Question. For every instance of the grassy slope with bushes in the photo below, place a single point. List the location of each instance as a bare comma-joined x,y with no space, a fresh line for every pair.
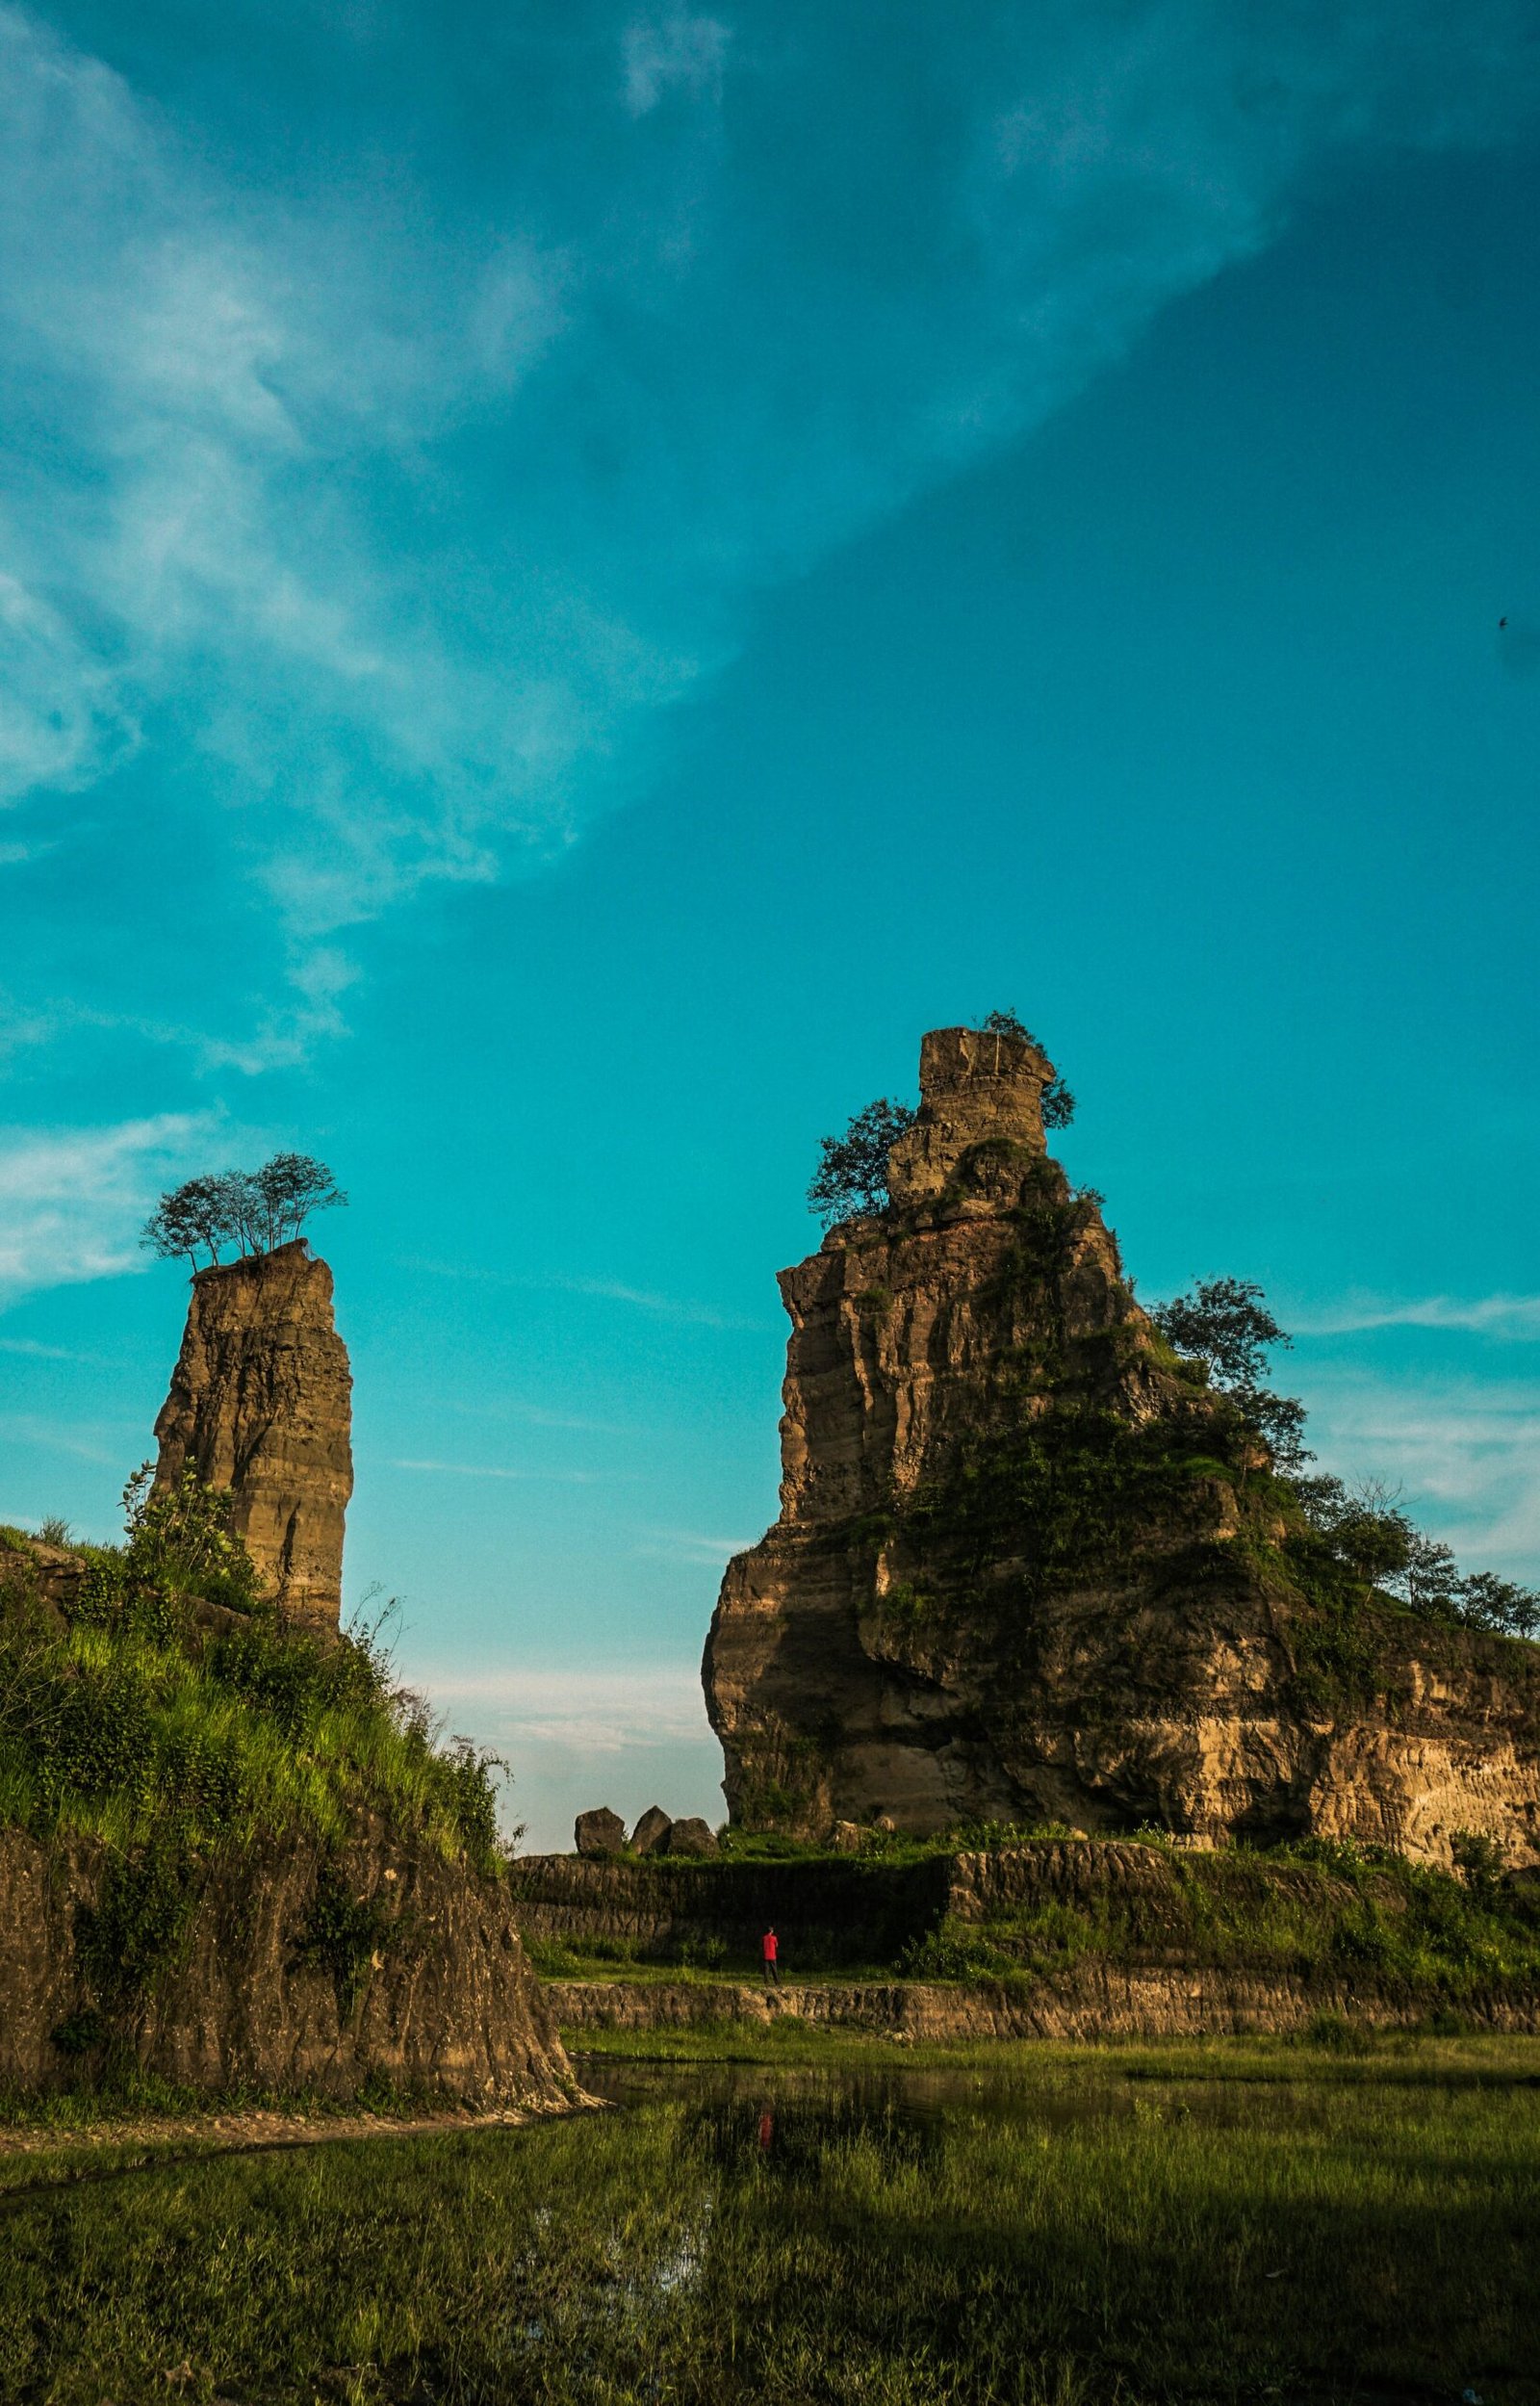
1316,1911
132,1718
1313,1911
166,1712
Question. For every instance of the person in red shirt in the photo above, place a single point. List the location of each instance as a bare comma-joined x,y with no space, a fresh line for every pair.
772,1951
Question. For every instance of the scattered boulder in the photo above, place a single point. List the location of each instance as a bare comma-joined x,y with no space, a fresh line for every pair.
651,1835
691,1836
600,1832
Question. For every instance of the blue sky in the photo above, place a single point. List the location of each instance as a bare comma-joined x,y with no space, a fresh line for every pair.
572,578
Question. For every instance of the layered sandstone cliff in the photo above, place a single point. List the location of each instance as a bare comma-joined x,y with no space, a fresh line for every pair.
261,1404
1027,1567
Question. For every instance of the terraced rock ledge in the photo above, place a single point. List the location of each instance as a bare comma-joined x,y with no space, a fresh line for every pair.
1053,1939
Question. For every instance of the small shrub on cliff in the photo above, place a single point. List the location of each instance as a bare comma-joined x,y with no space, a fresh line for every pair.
1225,1325
1345,1543
178,1544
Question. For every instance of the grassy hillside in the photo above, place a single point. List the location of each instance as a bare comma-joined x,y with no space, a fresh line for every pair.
149,1697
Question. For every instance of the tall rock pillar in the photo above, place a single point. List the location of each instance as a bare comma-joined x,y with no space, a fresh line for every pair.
1031,1566
261,1404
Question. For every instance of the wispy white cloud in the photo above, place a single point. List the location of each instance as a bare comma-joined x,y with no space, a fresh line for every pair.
678,52
71,1198
643,1298
497,1470
691,1547
597,1712
51,1436
251,518
1465,1453
606,1290
32,1351
1514,1317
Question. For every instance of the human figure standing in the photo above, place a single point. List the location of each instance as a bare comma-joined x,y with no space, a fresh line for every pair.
772,1951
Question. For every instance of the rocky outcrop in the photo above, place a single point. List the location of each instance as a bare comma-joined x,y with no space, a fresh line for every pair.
691,1836
295,1967
1028,1568
1093,2000
600,1832
652,1832
261,1404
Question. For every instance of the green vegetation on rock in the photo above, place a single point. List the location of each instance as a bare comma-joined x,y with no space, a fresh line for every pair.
162,1710
1315,1912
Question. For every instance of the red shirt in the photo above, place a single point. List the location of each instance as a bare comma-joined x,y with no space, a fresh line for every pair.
772,1946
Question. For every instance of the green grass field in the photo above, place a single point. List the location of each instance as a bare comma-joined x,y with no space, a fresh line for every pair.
1053,2227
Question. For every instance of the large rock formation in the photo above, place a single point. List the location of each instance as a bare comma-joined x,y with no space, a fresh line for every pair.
260,1403
1029,1567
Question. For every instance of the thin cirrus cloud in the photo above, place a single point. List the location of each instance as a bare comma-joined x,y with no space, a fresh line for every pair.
595,1711
676,1307
69,1196
677,52
1515,1318
1466,1454
408,522
690,1546
499,1470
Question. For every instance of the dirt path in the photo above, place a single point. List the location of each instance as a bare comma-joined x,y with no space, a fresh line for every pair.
151,2140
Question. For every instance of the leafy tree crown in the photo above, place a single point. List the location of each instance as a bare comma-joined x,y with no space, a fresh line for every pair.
852,1174
1225,1324
252,1210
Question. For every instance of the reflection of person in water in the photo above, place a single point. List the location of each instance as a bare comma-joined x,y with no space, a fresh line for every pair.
767,2128
772,1955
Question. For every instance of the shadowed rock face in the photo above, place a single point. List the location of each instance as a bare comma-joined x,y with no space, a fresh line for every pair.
1027,1568
444,1999
261,1404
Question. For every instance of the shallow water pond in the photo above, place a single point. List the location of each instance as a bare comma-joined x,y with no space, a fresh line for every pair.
871,2235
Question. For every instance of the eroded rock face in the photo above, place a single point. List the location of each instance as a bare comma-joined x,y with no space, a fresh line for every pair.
261,1404
1027,1569
444,1998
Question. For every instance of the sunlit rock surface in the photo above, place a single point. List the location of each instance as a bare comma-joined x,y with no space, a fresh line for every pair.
1026,1570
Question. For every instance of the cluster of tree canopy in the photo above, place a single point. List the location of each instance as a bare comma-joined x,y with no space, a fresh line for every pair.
251,1210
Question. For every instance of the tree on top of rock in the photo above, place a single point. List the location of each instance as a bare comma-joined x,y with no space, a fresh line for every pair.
1225,1324
851,1179
252,1210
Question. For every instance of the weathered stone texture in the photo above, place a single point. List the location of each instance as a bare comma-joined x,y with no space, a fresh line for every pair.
873,1657
448,2001
598,1832
261,1404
